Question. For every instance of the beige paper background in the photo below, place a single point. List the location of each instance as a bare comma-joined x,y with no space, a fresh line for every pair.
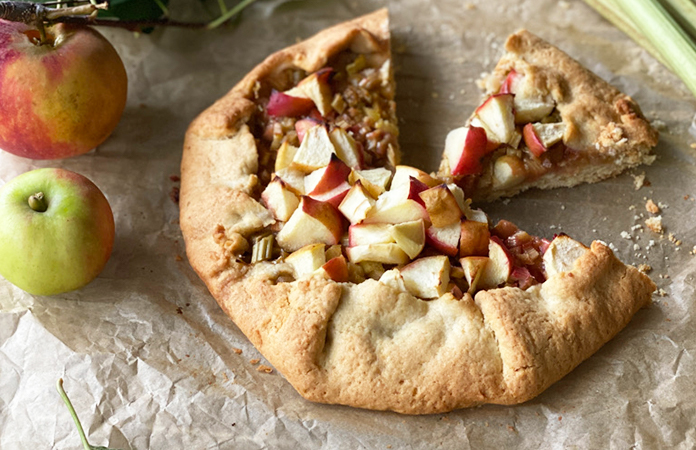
146,354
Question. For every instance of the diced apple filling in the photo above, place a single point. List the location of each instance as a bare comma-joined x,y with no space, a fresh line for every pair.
340,217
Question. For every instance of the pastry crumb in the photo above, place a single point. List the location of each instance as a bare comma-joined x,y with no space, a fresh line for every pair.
469,6
639,180
237,350
178,258
651,207
673,239
645,268
626,235
264,368
661,292
654,224
254,361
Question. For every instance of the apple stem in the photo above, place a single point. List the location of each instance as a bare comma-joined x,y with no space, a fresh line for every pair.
37,202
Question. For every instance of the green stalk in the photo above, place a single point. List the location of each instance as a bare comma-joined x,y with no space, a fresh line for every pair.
665,34
229,14
684,11
609,10
68,403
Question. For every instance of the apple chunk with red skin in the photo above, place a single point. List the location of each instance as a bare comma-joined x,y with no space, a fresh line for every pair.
315,150
59,99
444,239
474,267
312,222
57,241
400,204
499,266
357,203
329,184
336,269
280,200
442,206
317,88
427,277
283,105
497,118
464,148
540,136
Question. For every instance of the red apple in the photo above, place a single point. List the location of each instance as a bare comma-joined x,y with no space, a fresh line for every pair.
61,98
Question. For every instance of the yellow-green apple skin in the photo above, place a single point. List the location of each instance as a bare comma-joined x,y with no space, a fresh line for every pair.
59,99
62,248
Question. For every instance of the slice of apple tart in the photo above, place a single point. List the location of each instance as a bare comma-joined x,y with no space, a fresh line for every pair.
546,122
369,283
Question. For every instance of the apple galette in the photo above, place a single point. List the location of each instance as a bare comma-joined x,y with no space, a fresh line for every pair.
376,285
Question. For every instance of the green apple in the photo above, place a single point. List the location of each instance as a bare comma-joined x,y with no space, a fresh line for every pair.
56,231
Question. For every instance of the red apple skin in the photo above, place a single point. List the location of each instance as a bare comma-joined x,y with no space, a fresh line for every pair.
283,105
415,187
59,101
532,140
325,213
510,79
337,269
432,240
336,173
301,127
475,148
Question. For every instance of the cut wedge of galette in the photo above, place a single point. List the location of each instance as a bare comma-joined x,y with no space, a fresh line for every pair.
373,284
545,122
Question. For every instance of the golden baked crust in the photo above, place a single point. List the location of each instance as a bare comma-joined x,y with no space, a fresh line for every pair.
369,345
604,124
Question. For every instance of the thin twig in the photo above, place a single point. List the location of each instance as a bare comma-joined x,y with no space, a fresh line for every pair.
130,25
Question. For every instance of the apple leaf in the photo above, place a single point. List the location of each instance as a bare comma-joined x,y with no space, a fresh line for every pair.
73,414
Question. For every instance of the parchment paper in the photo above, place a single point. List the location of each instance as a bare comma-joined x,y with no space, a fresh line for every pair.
149,359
